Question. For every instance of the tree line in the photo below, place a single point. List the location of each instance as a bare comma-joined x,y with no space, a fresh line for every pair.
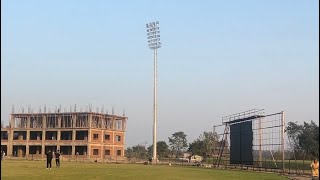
303,142
205,145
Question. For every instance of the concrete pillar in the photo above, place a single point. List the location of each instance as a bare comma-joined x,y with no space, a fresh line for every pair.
113,123
27,145
58,135
89,143
44,122
123,141
74,119
113,137
89,136
123,124
90,120
101,152
28,121
113,153
73,150
10,136
102,142
73,135
42,144
12,121
27,150
59,122
10,139
28,136
102,137
89,151
43,135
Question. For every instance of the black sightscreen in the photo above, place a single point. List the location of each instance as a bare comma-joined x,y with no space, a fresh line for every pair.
241,137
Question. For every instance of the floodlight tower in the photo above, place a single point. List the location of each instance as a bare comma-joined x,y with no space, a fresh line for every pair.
153,33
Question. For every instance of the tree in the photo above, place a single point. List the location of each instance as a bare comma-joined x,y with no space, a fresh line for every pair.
210,142
196,147
309,139
137,151
178,142
293,130
206,144
129,153
303,139
162,149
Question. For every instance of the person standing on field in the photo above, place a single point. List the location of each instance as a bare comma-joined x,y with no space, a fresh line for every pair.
49,159
57,156
315,169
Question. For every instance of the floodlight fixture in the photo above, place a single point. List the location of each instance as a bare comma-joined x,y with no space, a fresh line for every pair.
153,34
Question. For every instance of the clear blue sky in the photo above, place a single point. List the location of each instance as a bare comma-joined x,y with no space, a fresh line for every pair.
217,58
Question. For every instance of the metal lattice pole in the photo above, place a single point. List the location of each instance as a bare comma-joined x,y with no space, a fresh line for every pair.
154,43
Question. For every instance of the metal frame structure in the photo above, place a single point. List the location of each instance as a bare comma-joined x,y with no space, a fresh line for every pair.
268,136
153,34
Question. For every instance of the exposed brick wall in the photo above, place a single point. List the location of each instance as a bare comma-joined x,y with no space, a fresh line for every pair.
120,149
121,135
106,141
110,148
93,138
93,149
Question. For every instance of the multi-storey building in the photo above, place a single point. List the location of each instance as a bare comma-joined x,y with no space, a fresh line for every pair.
94,135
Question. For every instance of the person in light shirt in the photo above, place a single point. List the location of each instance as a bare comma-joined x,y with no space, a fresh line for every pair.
315,169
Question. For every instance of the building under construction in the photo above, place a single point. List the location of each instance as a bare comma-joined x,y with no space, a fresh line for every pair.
90,134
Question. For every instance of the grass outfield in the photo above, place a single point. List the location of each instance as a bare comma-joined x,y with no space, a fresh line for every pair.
75,170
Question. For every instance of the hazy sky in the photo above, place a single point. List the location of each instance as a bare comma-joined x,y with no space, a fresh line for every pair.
217,58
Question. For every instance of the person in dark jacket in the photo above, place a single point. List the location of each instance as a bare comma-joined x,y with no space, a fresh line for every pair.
57,156
49,159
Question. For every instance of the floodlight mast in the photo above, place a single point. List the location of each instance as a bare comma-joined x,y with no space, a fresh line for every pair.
153,34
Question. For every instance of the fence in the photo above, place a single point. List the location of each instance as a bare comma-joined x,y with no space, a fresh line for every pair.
267,165
72,158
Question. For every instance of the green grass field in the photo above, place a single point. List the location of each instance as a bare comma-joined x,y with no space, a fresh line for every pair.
293,165
79,170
